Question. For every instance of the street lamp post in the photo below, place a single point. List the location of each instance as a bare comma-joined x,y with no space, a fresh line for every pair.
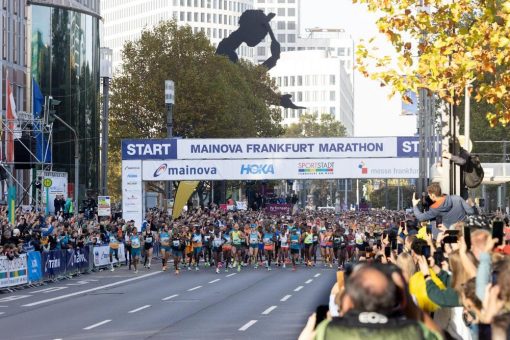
106,74
76,163
169,104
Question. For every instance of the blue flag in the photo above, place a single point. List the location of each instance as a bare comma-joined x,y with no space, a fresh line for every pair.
42,148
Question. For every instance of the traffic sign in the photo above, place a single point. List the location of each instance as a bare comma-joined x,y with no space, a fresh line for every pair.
47,182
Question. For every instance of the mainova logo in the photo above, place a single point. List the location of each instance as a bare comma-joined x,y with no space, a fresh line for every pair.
160,170
363,167
257,169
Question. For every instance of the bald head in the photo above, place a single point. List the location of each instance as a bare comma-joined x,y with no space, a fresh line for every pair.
371,290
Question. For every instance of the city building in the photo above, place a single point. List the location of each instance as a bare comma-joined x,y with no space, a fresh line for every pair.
65,64
318,81
125,19
286,26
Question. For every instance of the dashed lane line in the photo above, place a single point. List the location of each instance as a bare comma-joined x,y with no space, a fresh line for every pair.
285,298
269,310
247,325
91,290
213,281
317,275
308,281
298,288
229,275
170,297
194,288
139,309
96,325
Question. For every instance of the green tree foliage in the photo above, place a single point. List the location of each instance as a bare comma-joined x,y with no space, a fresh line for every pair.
310,126
214,98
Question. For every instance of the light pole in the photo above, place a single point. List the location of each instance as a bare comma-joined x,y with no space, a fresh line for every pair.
76,162
105,73
169,104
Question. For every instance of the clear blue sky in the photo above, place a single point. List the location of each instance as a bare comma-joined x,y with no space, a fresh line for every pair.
375,114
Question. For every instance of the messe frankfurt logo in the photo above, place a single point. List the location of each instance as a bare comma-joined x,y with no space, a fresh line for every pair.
162,168
363,167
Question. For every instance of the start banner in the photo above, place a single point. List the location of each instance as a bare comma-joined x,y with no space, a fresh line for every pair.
13,272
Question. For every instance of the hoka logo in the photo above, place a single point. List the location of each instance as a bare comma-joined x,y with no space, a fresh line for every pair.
257,169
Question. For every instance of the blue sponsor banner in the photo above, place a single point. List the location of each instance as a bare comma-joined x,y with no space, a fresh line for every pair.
77,259
408,147
149,149
34,266
53,262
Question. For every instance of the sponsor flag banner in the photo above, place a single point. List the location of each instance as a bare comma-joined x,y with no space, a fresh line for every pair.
102,255
278,209
13,272
184,191
10,115
34,266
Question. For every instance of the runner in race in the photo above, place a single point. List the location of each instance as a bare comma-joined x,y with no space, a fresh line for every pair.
114,248
307,239
284,246
269,241
164,240
315,245
253,240
188,250
208,236
178,243
136,250
148,244
216,243
294,247
338,246
227,249
329,247
196,243
237,236
260,251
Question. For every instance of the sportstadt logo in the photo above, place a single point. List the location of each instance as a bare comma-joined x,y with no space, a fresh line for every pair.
363,167
316,168
162,168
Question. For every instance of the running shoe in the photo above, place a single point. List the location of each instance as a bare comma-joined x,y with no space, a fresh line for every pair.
293,269
189,268
226,270
217,270
164,269
284,266
238,267
256,266
112,270
269,268
136,271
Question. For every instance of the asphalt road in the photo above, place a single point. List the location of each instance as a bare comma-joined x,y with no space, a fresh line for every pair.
252,304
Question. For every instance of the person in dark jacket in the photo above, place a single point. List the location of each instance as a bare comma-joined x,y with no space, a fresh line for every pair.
451,208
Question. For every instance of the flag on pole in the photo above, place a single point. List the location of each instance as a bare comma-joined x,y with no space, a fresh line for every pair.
10,116
42,147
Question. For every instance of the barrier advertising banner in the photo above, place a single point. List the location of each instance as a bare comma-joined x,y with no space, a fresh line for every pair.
253,169
77,259
34,266
102,255
53,263
278,209
13,272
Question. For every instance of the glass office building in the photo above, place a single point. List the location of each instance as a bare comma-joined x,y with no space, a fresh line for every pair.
65,63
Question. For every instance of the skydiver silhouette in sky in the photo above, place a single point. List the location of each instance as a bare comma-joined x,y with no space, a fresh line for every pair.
253,28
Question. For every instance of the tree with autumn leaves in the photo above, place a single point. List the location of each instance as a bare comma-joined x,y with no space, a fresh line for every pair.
444,46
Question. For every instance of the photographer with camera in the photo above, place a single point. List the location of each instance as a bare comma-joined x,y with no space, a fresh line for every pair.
451,208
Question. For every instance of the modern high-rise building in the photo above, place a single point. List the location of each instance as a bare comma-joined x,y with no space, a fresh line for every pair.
125,19
318,81
65,63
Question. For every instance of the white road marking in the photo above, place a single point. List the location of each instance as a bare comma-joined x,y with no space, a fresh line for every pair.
49,290
213,281
269,310
308,281
139,309
248,325
96,325
4,306
285,298
2,313
298,288
317,275
81,282
194,288
91,290
229,275
14,297
170,297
